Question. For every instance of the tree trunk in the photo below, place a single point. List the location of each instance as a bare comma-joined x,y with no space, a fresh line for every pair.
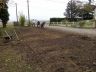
4,25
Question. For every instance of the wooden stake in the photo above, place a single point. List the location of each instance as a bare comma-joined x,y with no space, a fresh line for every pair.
7,34
16,34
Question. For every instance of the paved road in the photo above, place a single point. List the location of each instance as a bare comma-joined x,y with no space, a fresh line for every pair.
88,32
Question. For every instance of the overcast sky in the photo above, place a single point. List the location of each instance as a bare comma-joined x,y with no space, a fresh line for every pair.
39,9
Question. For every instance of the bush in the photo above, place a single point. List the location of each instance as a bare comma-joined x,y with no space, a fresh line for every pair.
82,23
22,20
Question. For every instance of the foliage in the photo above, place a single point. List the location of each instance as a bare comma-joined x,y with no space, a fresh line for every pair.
22,20
77,9
88,8
82,23
4,15
88,11
6,1
72,10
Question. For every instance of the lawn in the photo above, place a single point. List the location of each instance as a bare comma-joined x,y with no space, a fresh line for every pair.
47,50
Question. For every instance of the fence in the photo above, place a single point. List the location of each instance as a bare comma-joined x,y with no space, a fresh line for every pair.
74,24
61,23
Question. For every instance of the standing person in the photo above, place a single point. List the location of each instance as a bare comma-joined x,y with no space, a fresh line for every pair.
38,23
42,25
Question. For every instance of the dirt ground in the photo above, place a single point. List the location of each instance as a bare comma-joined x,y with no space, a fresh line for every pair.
47,50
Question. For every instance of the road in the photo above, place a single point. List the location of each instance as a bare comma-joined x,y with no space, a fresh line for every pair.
88,32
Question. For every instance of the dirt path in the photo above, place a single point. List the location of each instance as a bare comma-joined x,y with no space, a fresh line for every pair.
88,32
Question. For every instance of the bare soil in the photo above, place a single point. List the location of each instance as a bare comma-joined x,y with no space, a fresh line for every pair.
47,50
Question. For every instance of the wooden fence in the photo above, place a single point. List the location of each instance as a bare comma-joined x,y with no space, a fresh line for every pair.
73,24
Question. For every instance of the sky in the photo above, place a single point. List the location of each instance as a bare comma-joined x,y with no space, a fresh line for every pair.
39,9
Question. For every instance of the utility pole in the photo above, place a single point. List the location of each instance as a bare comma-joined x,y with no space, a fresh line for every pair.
28,12
16,12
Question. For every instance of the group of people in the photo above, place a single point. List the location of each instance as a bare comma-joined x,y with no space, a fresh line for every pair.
38,24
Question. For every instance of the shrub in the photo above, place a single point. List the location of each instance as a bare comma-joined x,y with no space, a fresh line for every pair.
82,23
22,20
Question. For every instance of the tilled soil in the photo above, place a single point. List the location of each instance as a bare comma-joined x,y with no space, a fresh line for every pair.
46,50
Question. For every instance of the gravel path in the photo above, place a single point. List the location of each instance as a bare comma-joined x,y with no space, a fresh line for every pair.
88,32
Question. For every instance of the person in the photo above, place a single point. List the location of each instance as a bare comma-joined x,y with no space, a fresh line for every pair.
38,23
42,25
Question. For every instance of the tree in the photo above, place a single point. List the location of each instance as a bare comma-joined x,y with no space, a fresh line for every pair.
72,10
88,11
77,9
4,1
4,15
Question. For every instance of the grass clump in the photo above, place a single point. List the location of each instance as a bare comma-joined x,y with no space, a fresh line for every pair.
22,20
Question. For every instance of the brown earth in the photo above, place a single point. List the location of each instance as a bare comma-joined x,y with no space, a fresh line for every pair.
47,50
